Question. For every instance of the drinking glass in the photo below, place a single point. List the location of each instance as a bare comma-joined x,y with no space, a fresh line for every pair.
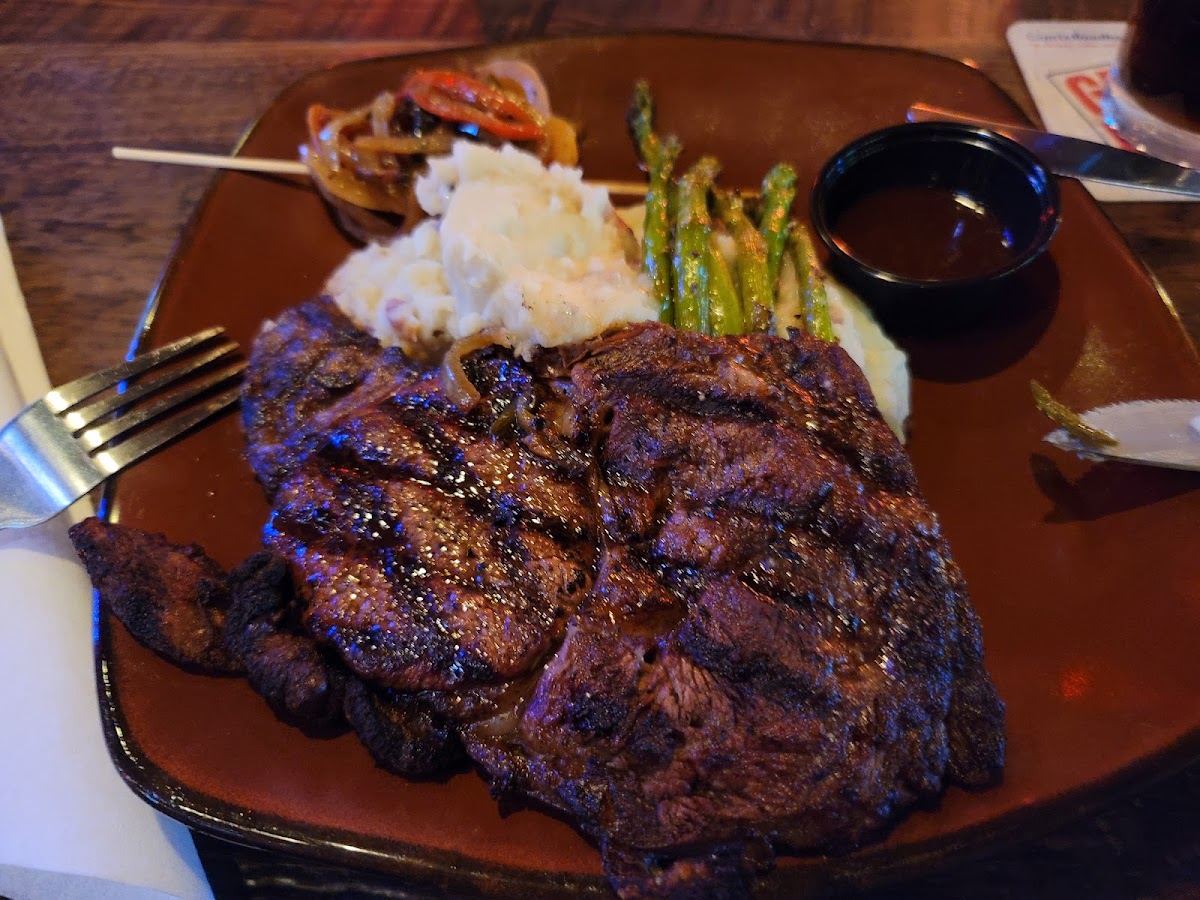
1153,94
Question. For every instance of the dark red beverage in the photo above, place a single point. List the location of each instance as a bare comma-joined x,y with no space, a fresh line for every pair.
1158,67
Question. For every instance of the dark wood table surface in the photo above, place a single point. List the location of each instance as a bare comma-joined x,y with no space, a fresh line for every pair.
90,237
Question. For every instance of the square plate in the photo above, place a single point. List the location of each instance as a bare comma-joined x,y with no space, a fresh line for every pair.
1084,576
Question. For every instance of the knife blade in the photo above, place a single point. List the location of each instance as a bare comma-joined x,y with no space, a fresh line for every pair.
1077,158
1150,432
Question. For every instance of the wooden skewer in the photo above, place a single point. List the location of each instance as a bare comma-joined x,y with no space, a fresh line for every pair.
293,167
212,161
622,188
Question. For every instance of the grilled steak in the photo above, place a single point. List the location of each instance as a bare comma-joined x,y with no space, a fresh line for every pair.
684,590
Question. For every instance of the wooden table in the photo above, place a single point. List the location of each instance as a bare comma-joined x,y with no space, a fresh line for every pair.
90,236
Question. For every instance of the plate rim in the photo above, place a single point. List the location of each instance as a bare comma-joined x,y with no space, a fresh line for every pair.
869,866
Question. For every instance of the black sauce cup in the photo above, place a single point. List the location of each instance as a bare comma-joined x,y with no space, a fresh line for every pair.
999,175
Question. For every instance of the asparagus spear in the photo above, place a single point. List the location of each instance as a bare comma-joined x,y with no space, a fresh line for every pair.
757,292
640,119
778,192
726,307
814,306
656,234
693,232
658,156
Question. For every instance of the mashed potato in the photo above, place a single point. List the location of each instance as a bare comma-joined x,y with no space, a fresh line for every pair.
884,364
529,251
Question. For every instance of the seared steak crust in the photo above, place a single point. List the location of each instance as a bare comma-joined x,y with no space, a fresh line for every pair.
684,590
402,733
282,662
171,597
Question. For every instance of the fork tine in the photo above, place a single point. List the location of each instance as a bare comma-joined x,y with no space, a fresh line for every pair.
93,438
65,396
78,419
151,439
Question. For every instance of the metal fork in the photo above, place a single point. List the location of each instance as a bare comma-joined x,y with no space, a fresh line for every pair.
59,447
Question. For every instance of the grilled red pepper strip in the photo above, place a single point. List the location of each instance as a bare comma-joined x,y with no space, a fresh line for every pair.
461,98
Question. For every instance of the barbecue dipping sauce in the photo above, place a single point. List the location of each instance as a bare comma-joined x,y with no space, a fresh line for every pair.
924,233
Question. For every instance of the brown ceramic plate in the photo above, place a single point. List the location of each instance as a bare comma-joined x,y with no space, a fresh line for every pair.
1085,576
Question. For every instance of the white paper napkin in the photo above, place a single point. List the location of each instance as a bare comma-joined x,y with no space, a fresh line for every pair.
69,827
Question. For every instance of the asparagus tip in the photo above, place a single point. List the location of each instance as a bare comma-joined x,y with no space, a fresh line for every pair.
781,176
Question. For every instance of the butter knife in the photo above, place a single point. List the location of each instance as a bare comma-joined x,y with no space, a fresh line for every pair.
1150,432
1077,158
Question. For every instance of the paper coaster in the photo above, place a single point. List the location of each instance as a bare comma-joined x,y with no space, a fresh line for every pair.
1064,65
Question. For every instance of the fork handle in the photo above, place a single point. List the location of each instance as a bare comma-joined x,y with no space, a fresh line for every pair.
23,502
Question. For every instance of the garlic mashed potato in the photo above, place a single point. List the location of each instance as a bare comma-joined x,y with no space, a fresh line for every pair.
527,250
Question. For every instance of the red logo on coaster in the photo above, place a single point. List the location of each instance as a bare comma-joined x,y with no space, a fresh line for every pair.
1083,89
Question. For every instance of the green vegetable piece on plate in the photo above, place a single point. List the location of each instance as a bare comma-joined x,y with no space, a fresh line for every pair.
693,234
659,157
778,193
1069,420
656,239
814,305
754,280
725,308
